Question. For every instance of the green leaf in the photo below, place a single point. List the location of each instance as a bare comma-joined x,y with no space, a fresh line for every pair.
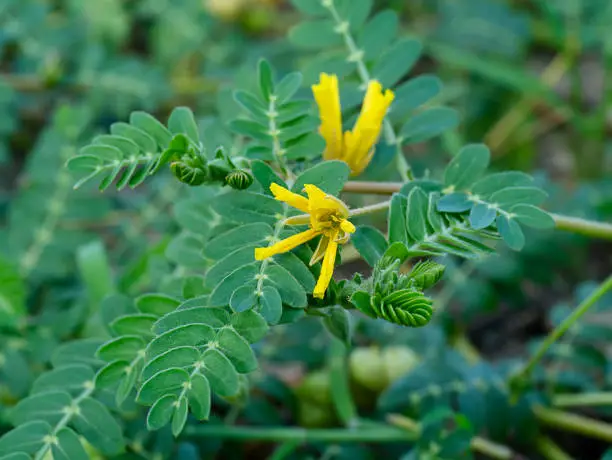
132,373
182,357
482,215
416,214
189,335
185,249
80,351
397,61
213,316
266,176
98,426
532,216
252,129
152,127
145,142
111,374
246,207
356,13
220,372
68,446
255,234
270,305
429,123
27,438
508,197
180,416
250,325
370,243
251,104
48,406
243,298
160,413
291,291
237,349
231,262
122,348
138,324
156,304
199,397
245,275
455,202
70,378
397,219
378,34
16,456
412,94
265,78
310,7
181,121
338,324
166,382
329,176
315,34
511,232
490,184
287,87
467,166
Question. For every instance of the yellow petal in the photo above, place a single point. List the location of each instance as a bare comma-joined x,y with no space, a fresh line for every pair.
319,200
292,199
327,270
320,251
358,144
302,219
285,245
327,96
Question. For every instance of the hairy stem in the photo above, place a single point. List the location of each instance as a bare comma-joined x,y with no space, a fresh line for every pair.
590,228
478,444
562,329
356,56
574,423
583,399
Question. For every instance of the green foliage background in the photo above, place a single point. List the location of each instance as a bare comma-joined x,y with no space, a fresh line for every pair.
126,322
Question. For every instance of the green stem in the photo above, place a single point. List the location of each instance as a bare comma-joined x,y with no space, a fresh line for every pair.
478,444
574,423
583,399
382,206
550,450
562,329
303,435
356,56
590,228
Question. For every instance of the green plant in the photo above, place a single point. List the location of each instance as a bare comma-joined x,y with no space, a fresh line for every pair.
143,321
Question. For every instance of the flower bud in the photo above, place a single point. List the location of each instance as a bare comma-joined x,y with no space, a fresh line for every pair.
239,179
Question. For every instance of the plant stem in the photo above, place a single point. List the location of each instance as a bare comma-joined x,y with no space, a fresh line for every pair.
478,444
584,227
304,435
356,56
369,209
590,228
562,329
550,450
583,399
574,423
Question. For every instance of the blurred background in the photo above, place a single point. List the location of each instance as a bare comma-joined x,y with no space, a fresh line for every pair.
532,78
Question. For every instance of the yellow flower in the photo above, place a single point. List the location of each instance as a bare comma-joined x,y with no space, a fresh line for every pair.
354,147
326,216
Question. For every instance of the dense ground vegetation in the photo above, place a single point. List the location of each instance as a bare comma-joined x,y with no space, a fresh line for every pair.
158,159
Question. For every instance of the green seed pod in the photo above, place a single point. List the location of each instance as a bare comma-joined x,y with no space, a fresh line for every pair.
188,172
239,179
